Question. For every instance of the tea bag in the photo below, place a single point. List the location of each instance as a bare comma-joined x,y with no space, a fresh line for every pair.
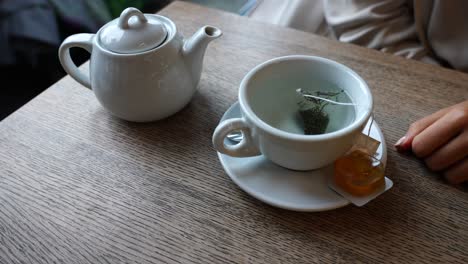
359,175
312,109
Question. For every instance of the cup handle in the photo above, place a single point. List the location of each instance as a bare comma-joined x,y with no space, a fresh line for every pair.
84,41
245,148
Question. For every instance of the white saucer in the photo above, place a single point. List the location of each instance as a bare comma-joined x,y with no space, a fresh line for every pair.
277,186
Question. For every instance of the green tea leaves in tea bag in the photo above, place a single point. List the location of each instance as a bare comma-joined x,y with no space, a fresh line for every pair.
312,109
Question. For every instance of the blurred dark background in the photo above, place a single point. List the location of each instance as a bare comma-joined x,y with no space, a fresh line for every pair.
32,31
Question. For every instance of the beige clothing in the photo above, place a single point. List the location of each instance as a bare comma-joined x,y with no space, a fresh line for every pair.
428,30
434,31
305,15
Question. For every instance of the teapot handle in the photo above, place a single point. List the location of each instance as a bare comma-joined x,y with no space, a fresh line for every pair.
84,41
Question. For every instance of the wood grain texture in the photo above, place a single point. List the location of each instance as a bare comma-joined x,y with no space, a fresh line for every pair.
80,186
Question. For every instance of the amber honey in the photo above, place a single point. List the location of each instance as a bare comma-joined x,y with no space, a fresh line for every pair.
359,174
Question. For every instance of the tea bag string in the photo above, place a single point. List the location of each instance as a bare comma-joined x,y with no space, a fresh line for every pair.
370,125
367,140
300,91
369,136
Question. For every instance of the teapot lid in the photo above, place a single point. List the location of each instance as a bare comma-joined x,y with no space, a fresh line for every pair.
133,32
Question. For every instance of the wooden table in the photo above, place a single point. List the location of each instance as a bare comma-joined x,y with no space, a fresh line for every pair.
80,186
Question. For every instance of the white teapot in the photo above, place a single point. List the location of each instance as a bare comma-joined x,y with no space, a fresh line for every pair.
141,69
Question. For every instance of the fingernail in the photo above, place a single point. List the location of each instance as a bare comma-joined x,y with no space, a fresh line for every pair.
401,140
399,145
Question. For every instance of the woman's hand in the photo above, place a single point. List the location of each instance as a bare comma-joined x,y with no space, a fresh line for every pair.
441,139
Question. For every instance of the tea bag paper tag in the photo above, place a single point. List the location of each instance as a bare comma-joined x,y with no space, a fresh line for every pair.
360,200
369,146
365,143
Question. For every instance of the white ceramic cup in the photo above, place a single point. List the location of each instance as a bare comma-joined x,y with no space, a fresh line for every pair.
266,95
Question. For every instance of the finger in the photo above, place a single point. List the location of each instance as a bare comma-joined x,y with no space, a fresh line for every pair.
404,143
439,133
449,154
458,173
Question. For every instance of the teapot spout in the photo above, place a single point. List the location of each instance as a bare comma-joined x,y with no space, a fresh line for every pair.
194,49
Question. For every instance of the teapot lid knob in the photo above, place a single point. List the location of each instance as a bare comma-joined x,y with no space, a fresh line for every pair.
133,32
